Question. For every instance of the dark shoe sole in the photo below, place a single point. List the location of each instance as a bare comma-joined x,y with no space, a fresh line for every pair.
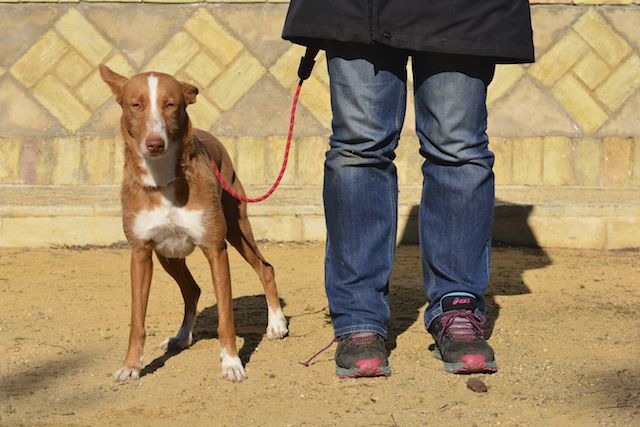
364,368
471,364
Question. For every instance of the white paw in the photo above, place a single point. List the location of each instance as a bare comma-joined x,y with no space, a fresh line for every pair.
277,327
231,367
177,343
125,374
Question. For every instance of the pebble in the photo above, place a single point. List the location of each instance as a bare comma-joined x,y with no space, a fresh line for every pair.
476,385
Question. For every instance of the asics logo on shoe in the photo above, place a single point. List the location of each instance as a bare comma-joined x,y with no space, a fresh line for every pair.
458,301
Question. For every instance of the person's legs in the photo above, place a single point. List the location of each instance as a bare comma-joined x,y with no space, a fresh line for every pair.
368,98
456,212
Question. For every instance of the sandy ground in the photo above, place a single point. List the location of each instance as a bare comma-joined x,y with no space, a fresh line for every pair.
565,323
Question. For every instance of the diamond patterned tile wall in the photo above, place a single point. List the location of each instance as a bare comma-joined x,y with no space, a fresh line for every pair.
581,96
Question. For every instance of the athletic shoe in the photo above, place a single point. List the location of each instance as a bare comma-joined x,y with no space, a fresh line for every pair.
459,337
361,354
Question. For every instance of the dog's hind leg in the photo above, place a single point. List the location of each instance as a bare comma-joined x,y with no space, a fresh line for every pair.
177,268
240,236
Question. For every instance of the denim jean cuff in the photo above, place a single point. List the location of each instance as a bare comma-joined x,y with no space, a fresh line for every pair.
359,328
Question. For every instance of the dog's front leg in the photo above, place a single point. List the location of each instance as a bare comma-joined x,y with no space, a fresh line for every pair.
141,271
231,365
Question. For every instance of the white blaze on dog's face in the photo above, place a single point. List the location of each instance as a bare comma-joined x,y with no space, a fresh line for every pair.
153,109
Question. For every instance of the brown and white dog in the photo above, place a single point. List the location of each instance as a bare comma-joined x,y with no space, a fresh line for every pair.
171,203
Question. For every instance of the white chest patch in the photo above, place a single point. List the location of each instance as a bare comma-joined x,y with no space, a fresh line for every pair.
175,231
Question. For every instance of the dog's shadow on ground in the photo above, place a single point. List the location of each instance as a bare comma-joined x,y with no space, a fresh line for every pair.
251,318
407,300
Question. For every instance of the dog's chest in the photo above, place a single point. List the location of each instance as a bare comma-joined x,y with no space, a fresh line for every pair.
174,230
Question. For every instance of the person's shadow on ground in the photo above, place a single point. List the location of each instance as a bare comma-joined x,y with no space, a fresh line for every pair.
407,300
250,316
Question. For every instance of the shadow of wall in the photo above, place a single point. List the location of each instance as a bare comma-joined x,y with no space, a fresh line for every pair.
407,300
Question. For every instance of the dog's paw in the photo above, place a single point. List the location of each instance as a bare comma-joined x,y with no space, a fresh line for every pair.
231,367
277,327
177,343
125,374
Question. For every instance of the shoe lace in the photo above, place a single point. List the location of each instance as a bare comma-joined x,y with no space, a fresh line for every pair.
355,339
308,361
461,325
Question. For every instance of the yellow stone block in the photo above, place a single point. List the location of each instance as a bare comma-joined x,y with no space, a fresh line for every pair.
250,161
635,175
314,229
61,230
275,146
311,155
230,144
83,36
558,162
315,97
2,71
505,77
591,70
10,160
72,69
61,103
320,69
559,59
208,31
584,109
278,228
601,37
621,84
527,161
175,55
408,160
42,56
623,232
203,114
93,92
588,162
503,166
286,66
98,153
67,155
120,65
616,165
118,159
202,69
236,81
568,232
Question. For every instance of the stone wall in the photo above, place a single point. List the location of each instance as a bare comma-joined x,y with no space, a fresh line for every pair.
571,119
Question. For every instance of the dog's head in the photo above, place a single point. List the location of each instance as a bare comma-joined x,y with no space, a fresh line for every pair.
153,109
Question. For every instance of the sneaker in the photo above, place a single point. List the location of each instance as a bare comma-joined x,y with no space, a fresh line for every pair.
361,354
459,337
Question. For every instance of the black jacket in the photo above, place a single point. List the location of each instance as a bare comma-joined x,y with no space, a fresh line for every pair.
496,28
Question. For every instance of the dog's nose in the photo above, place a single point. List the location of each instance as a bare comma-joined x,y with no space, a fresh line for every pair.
154,144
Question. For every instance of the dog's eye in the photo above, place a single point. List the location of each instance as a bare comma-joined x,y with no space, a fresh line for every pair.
169,105
136,106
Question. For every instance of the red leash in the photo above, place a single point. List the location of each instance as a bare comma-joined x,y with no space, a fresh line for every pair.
306,65
284,162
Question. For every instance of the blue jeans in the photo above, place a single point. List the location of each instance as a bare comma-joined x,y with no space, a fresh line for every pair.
368,99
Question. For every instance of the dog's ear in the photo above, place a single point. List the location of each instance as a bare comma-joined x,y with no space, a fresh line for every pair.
114,80
189,92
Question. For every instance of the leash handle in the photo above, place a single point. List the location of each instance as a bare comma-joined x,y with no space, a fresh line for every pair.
306,63
304,71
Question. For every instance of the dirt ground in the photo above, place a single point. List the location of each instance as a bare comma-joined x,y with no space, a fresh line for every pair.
565,327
